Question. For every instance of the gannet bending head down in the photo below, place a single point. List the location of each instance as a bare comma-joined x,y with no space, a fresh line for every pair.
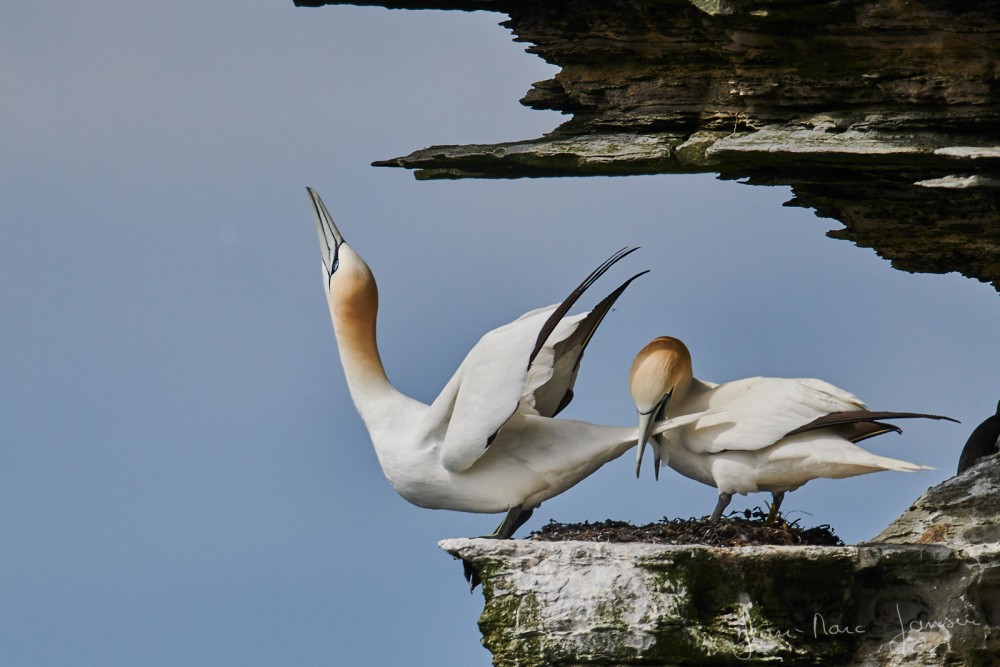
488,442
756,434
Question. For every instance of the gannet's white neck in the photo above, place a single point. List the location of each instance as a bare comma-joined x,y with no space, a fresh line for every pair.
352,296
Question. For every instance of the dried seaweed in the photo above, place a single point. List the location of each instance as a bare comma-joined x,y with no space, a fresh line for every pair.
730,531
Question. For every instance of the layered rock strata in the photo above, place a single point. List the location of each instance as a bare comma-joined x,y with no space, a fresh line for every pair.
881,114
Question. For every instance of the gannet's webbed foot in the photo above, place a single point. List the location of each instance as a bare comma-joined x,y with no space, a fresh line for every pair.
720,507
772,513
516,517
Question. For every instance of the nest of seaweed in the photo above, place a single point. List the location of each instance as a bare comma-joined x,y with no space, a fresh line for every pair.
733,530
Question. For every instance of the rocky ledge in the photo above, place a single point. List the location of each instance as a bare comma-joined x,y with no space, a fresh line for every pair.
882,114
924,592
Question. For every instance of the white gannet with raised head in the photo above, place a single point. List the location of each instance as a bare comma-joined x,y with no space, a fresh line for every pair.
756,434
488,442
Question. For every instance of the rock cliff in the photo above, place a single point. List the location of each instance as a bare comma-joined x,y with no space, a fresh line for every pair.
924,592
880,114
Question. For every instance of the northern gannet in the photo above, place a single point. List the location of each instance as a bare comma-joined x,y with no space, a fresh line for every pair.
756,434
488,443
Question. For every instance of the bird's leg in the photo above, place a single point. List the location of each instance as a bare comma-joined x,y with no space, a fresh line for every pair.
516,517
720,507
772,513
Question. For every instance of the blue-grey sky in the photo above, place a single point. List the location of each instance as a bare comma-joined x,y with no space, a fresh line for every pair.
183,479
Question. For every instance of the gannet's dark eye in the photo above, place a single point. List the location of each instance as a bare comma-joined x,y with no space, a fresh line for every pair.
332,261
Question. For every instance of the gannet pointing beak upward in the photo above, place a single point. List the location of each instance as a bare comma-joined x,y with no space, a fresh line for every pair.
488,442
757,434
330,238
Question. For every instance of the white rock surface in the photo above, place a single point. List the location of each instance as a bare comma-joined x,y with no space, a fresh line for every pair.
925,592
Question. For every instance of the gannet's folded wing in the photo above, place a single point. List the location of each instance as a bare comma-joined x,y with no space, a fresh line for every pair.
756,412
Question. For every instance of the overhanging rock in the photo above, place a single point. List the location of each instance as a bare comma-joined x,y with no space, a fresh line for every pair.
880,114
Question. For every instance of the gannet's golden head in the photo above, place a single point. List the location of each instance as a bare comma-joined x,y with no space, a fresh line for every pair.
351,289
350,284
661,371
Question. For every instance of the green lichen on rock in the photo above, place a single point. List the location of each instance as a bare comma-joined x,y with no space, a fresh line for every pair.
511,630
612,611
738,603
555,603
915,602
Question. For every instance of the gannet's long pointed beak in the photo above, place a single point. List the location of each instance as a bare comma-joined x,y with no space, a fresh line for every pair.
646,421
330,238
645,424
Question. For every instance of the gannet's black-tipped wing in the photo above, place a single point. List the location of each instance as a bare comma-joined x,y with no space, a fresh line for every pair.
551,396
863,416
563,308
506,366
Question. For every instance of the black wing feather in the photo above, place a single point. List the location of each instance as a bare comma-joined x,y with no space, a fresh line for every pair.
860,416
